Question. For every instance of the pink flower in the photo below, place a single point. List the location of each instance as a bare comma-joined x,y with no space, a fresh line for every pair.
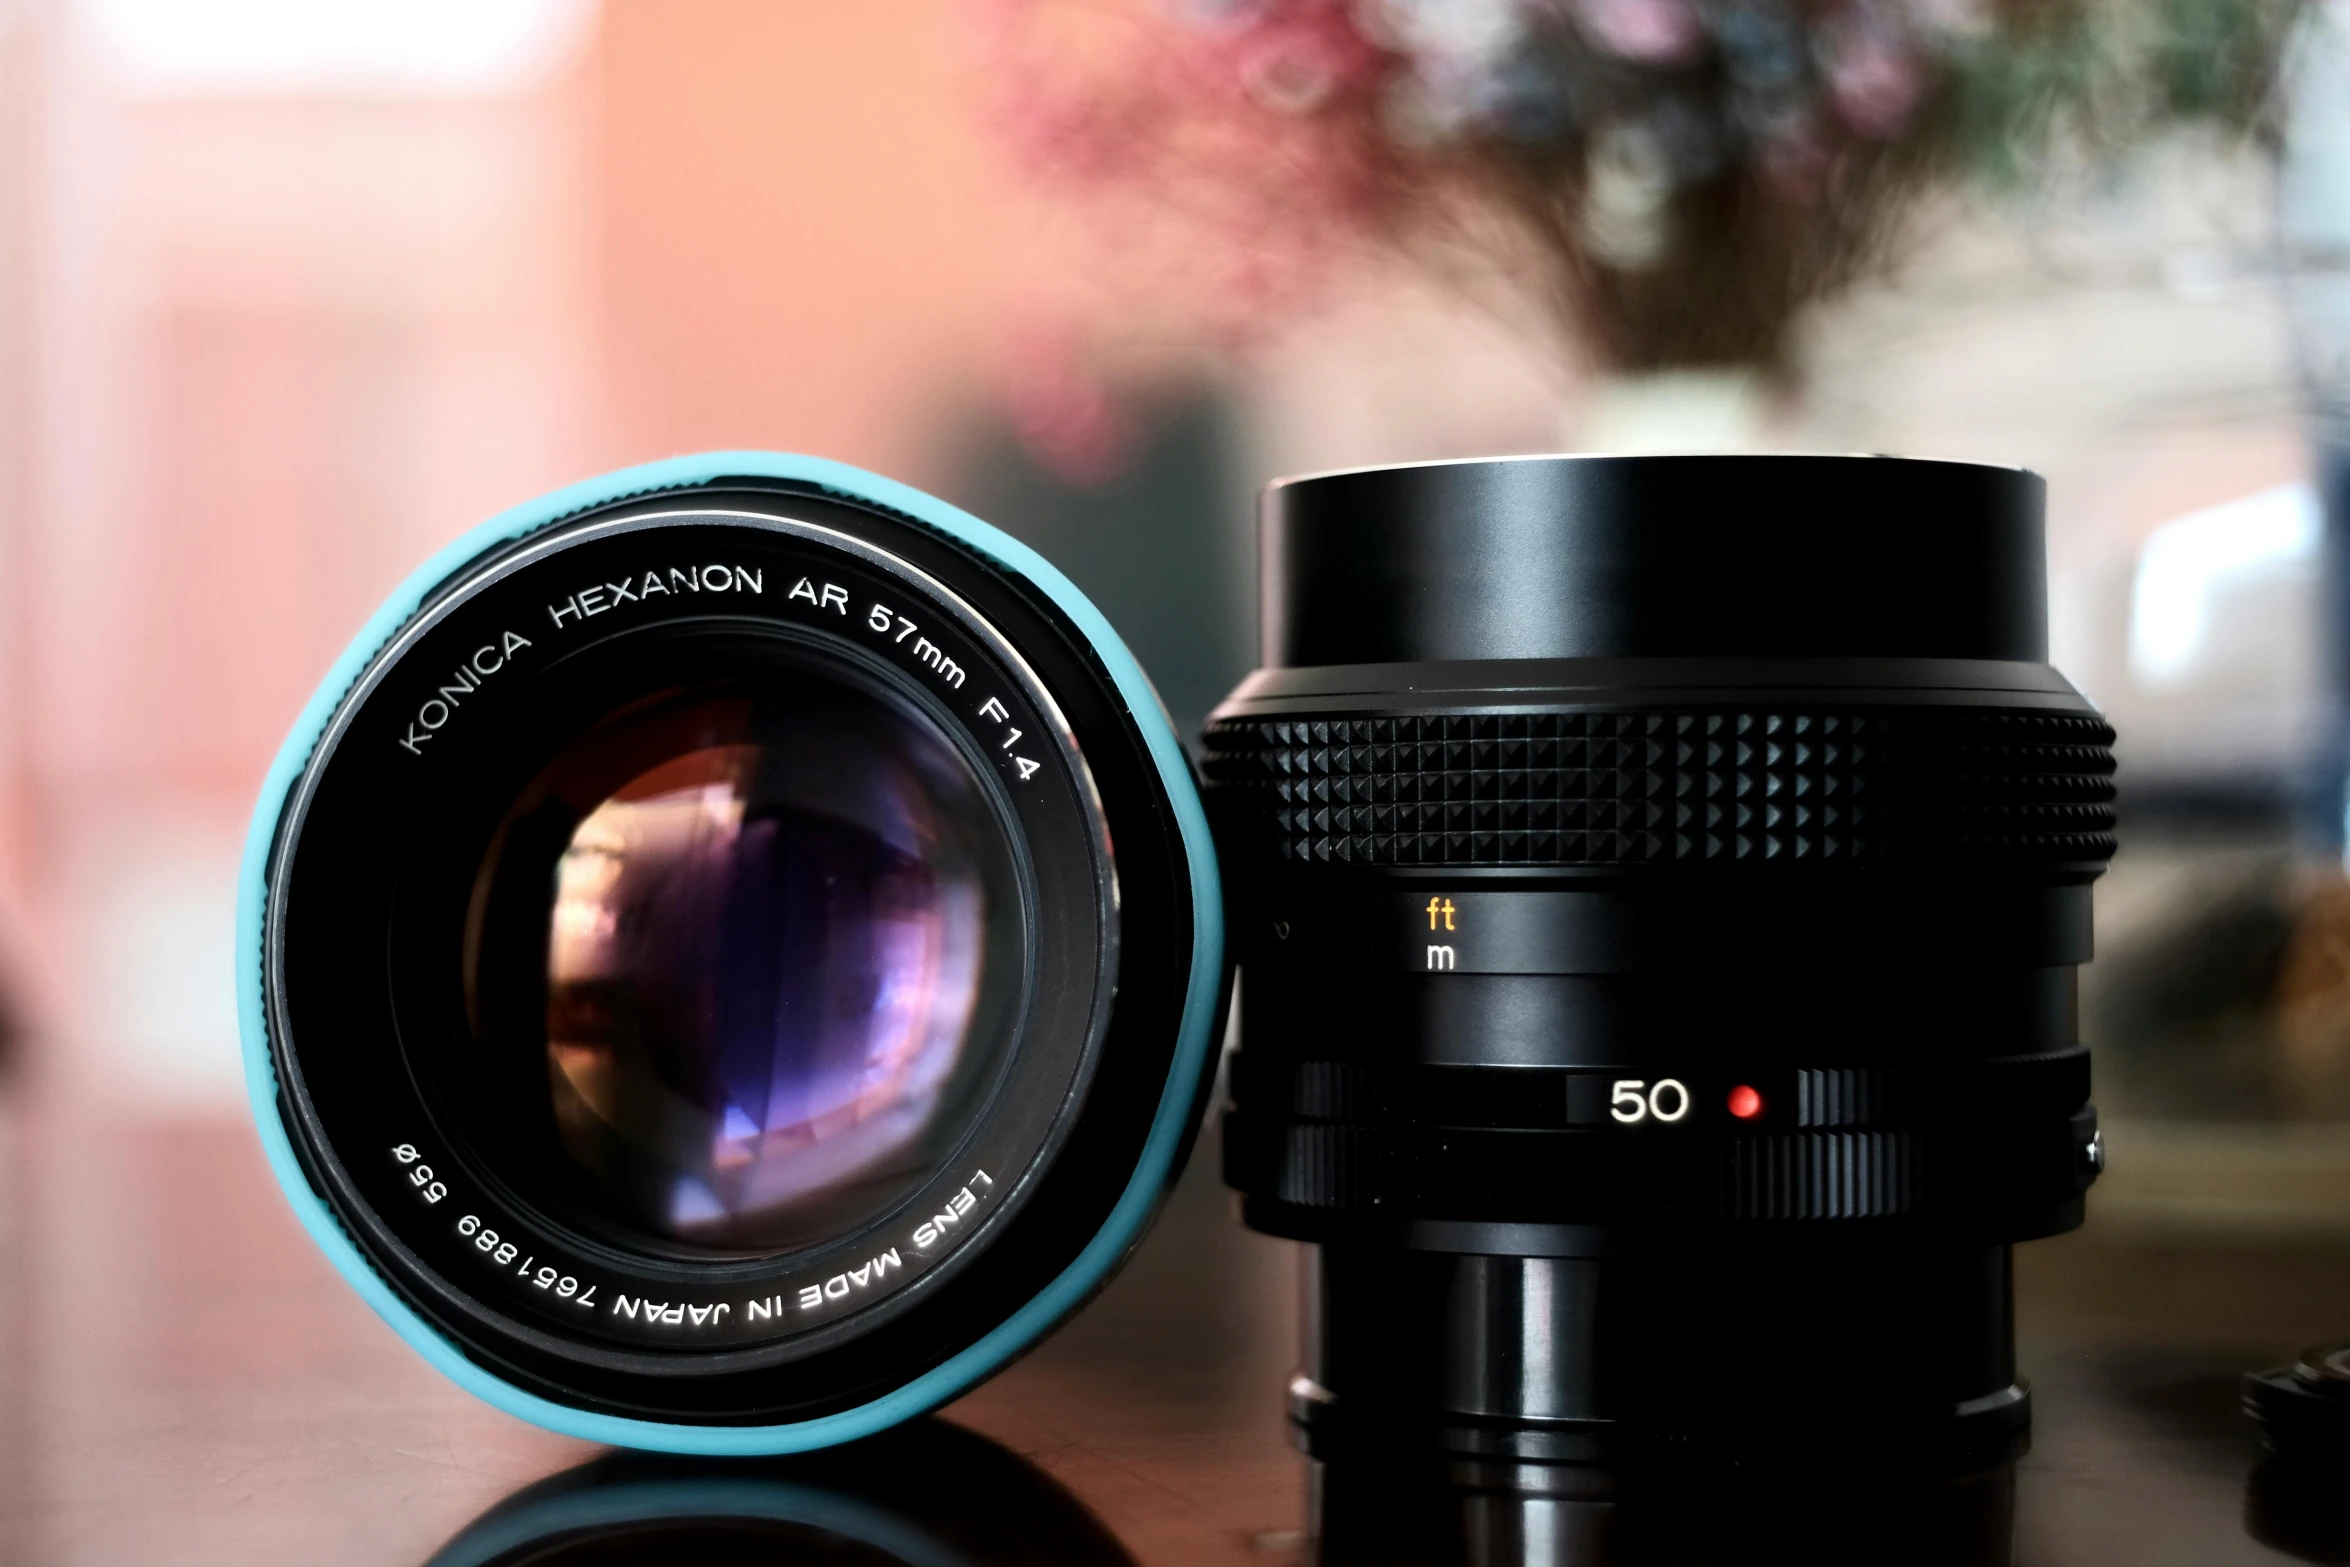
1064,412
1654,32
1295,56
1876,83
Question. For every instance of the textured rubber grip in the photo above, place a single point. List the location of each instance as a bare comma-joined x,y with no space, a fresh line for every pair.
2025,788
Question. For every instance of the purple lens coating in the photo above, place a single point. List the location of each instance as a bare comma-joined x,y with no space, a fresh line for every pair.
782,953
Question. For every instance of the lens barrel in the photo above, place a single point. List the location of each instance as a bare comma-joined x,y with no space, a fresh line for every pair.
730,956
1659,885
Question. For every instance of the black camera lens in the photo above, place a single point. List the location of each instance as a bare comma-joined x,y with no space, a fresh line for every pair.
734,956
1659,885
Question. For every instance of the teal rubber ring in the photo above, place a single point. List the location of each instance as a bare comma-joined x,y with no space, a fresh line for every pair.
1169,1128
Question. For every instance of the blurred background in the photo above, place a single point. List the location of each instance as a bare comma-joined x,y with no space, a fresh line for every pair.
293,293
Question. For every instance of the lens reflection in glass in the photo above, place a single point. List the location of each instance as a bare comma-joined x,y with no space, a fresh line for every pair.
778,956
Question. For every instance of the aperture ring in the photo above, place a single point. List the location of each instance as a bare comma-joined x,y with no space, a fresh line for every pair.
1698,786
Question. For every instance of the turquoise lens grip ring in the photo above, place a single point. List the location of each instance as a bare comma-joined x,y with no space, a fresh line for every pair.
760,995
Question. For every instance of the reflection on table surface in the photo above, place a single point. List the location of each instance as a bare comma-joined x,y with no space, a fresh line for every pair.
935,1495
927,1495
183,1380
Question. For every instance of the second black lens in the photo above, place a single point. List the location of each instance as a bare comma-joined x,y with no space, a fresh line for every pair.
1659,885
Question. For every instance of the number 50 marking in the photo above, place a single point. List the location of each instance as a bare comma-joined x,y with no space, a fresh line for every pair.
1666,1101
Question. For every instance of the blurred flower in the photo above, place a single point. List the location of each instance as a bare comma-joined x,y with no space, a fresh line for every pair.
1457,60
1692,173
1954,20
1625,192
1877,75
1761,44
1064,412
1655,32
1293,57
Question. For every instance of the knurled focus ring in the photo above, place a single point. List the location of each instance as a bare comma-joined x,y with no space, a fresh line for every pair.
1692,786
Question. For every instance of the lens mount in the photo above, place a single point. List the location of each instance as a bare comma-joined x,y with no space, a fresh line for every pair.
733,956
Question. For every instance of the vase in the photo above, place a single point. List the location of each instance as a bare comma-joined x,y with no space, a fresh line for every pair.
1716,409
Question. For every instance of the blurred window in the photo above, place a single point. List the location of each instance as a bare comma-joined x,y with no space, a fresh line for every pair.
2227,592
250,48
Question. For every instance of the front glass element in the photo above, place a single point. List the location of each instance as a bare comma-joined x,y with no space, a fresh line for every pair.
780,937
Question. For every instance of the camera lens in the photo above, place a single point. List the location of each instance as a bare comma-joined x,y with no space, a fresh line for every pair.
733,955
1659,885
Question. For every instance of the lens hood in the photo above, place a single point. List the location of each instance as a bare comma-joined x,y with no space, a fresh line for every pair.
730,956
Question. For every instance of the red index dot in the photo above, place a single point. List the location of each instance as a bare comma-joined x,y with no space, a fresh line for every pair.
1745,1103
